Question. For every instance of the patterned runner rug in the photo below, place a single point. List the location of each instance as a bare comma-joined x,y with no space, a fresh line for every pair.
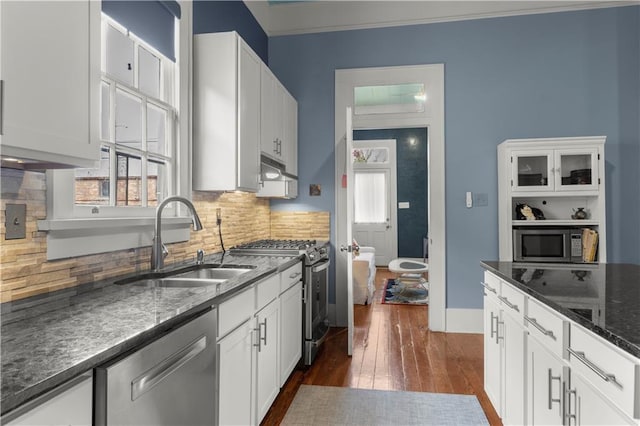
411,293
328,405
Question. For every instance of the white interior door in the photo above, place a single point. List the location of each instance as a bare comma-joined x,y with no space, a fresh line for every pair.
347,249
375,198
430,116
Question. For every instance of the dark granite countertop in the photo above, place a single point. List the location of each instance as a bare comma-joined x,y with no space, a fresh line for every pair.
50,339
604,298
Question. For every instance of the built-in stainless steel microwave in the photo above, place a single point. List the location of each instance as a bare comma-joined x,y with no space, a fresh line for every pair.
547,245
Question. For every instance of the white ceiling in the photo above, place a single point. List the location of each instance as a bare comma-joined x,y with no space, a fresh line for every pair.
335,15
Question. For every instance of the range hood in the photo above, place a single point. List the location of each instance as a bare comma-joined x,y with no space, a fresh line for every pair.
275,182
272,170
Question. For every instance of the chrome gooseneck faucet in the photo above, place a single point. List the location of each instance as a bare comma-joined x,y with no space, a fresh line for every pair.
158,250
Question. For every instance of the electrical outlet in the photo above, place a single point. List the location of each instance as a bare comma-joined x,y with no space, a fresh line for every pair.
15,222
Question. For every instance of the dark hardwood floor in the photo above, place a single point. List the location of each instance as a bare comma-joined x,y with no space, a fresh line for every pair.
393,350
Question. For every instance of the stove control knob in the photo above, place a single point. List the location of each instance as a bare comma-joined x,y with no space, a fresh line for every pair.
312,256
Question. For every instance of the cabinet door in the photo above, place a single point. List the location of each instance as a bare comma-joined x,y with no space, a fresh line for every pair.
248,169
492,373
513,374
544,384
291,134
50,69
576,169
290,330
585,406
71,406
268,142
532,171
235,372
267,377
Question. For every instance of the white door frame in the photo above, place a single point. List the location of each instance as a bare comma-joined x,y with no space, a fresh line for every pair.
392,183
433,119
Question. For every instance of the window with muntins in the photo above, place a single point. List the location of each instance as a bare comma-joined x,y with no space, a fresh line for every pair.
137,119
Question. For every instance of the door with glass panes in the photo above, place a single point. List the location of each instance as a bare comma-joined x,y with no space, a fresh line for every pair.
554,170
374,221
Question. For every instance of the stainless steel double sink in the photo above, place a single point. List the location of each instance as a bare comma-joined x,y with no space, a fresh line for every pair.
207,274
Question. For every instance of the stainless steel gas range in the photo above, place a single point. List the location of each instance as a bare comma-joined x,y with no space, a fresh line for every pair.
315,285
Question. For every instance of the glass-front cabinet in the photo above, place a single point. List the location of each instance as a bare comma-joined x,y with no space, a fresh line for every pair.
555,170
561,180
532,170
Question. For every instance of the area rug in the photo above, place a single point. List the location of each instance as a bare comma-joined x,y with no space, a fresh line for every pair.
328,405
410,293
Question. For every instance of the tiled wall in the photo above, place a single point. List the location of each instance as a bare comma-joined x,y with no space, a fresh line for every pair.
300,225
26,272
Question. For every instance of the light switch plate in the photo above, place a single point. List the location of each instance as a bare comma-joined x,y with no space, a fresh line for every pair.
481,199
15,221
469,200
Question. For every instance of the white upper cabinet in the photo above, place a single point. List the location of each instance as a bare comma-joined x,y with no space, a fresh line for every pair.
50,72
291,134
554,170
279,122
226,114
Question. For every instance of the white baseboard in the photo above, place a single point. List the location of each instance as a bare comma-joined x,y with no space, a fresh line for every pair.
465,321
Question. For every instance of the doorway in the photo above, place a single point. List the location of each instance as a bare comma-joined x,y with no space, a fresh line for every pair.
375,213
429,115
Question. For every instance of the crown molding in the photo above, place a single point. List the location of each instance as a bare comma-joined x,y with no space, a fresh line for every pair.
292,18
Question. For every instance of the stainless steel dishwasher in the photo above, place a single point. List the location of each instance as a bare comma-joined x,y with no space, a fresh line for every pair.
170,381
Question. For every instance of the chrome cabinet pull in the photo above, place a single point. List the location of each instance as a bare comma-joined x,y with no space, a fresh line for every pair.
607,377
295,274
264,338
498,336
569,416
493,332
509,304
488,287
259,331
543,330
156,374
551,378
261,338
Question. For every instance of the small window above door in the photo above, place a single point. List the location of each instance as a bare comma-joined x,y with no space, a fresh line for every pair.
389,99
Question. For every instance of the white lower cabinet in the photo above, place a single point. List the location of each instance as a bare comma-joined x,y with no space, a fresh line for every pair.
553,371
268,377
513,360
504,351
492,373
235,395
69,404
259,345
290,330
545,385
585,405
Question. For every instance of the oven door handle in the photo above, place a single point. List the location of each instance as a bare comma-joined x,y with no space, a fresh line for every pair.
321,267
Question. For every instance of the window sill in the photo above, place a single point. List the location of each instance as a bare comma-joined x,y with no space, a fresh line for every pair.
79,237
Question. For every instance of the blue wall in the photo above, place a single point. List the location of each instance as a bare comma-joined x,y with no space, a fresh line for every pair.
411,184
547,75
219,16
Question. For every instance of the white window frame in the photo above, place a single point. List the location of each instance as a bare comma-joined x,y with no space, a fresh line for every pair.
76,230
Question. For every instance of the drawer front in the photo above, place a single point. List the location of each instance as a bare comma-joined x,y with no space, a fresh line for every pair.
235,311
267,290
613,373
290,276
491,283
546,326
512,301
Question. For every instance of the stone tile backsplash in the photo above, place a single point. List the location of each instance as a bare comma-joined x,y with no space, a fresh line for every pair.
25,271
